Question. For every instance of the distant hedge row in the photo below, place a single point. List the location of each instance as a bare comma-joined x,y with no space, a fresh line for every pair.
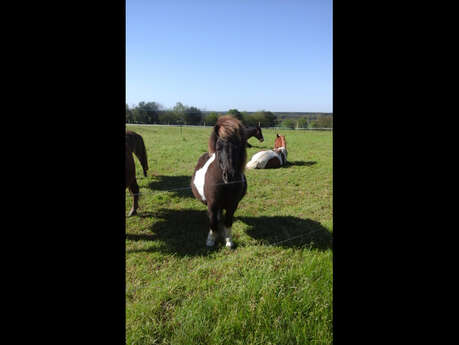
153,113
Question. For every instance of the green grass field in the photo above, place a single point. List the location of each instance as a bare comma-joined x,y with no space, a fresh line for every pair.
275,287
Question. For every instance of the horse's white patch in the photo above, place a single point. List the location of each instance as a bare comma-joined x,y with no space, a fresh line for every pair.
260,159
200,177
284,151
228,237
210,239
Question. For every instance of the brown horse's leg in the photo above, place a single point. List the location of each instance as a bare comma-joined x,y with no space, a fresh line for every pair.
213,224
227,226
141,154
143,160
134,189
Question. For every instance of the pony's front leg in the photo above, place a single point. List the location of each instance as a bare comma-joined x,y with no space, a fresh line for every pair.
213,224
227,227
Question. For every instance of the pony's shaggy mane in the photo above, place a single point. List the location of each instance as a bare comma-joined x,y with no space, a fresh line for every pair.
228,140
227,128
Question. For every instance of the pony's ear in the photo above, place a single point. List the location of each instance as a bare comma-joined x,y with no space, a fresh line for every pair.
277,135
216,128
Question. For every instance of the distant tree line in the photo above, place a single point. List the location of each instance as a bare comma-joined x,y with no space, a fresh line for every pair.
323,121
154,113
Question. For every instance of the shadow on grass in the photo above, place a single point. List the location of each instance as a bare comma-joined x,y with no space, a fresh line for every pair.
184,232
300,163
288,231
179,185
260,147
181,232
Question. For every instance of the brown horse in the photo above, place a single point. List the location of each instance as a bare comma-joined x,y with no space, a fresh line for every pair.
136,144
254,132
131,182
271,158
218,180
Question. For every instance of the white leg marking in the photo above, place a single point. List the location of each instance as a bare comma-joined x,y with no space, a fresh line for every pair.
228,237
210,239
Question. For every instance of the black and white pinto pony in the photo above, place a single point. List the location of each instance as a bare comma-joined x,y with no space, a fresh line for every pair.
218,180
270,159
254,132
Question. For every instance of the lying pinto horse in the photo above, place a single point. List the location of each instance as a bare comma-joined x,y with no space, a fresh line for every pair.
218,180
254,132
131,182
272,158
136,144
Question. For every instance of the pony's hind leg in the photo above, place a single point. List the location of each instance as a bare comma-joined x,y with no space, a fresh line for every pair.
213,224
134,189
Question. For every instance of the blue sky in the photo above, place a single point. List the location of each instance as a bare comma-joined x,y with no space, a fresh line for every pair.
250,55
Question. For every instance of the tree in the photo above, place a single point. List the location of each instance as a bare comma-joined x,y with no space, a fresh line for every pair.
289,123
167,117
323,121
129,115
302,122
270,118
150,111
211,119
139,115
144,112
246,119
235,113
179,108
266,119
192,116
179,111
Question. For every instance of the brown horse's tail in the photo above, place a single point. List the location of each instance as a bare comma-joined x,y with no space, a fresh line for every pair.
228,140
141,153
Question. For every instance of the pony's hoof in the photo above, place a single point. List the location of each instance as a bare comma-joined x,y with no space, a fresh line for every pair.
210,243
229,245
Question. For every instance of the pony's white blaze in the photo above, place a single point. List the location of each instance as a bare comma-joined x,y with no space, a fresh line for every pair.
260,159
200,176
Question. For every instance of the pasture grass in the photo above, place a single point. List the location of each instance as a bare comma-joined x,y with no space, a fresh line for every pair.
275,287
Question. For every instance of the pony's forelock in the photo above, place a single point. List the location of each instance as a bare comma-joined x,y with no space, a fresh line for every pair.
229,127
228,140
